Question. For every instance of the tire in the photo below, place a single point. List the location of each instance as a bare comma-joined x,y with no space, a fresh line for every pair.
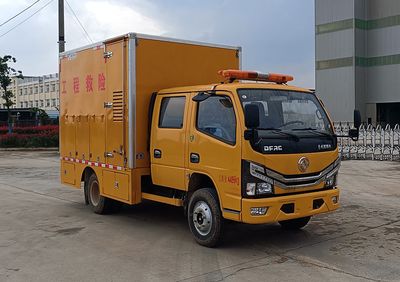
295,224
98,203
205,218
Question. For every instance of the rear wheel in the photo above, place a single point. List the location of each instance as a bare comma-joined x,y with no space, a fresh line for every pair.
98,203
205,218
293,224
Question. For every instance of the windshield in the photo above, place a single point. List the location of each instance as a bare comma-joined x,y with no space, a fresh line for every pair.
287,111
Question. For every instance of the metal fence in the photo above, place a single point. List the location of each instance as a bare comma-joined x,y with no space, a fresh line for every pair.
374,143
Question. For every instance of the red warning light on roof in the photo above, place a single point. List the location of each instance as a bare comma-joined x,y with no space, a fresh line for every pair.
252,75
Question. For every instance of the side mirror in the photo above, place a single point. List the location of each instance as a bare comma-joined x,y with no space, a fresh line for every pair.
354,133
357,119
252,116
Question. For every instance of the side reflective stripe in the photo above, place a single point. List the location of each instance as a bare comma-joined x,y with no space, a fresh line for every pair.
91,163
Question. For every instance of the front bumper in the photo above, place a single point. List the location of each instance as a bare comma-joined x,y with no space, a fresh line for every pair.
290,206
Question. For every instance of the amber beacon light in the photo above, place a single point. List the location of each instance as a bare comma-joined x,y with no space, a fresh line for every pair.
253,75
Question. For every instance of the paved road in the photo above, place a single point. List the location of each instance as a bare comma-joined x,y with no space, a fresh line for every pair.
48,234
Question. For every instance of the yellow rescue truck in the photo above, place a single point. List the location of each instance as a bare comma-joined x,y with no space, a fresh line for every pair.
178,122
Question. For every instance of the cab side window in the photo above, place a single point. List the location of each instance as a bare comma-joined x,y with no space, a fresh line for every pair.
216,117
171,112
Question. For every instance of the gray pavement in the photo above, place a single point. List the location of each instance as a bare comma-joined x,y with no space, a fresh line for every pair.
48,234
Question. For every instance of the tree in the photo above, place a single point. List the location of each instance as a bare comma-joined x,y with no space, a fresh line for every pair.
41,115
6,72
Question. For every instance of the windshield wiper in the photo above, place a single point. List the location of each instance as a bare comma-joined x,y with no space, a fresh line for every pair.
283,133
313,130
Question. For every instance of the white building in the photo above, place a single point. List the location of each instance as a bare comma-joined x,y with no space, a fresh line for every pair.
35,92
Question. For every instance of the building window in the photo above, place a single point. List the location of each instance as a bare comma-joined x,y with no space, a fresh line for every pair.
36,104
41,89
53,88
26,104
46,88
30,104
36,89
171,113
41,103
21,104
20,92
47,102
53,102
30,90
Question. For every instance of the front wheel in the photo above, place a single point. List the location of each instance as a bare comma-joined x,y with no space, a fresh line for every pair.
294,224
205,218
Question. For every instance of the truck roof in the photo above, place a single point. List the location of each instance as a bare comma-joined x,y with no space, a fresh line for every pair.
151,37
232,86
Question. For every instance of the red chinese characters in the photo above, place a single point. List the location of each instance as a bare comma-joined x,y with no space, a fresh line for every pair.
101,82
76,85
64,87
89,83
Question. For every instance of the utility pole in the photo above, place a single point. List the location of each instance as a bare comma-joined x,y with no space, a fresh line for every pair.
61,35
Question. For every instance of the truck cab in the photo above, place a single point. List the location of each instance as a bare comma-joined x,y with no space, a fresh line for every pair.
254,152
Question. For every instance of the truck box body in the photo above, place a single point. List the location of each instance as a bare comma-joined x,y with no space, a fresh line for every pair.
105,90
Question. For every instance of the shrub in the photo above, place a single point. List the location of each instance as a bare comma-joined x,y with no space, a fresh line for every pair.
32,129
30,137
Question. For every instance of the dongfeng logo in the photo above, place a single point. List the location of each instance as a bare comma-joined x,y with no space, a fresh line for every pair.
273,148
303,164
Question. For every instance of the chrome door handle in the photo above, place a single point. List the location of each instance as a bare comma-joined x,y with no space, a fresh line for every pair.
157,154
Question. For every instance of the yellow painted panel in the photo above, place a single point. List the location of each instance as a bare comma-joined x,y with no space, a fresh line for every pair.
161,199
115,115
169,169
116,185
67,173
97,138
82,137
81,94
69,141
219,160
303,206
161,64
168,176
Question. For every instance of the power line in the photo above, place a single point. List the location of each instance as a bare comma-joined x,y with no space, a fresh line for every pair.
17,25
79,22
27,8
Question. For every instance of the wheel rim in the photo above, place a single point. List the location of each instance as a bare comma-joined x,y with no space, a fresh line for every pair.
202,218
94,193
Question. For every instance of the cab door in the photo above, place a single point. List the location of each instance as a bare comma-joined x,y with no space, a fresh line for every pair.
168,140
214,147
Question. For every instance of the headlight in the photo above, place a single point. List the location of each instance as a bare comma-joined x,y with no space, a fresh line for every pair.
331,181
251,189
255,182
264,188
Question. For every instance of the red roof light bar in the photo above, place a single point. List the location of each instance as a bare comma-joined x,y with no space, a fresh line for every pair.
253,75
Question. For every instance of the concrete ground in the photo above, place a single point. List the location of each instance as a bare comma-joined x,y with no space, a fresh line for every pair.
48,234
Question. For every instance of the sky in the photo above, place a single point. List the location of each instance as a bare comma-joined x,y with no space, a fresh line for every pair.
276,35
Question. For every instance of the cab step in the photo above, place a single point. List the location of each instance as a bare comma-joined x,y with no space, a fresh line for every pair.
162,199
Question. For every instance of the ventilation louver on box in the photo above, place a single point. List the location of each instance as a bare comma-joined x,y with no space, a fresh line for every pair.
118,106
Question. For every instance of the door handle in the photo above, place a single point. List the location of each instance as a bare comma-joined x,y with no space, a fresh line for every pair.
157,153
194,158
